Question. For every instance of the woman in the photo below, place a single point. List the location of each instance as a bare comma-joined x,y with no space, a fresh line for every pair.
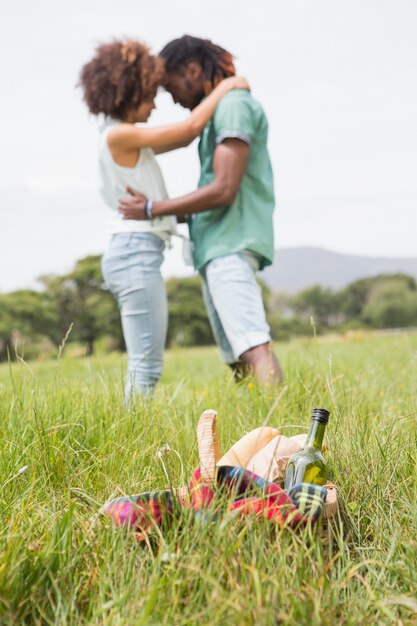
120,82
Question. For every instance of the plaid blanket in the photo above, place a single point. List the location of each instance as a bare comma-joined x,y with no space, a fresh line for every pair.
236,489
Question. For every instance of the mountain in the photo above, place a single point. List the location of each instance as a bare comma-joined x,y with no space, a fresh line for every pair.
296,268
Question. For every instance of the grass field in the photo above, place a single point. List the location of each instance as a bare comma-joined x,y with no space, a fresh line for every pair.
65,420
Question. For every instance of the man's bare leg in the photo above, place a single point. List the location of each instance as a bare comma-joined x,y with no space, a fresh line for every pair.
262,362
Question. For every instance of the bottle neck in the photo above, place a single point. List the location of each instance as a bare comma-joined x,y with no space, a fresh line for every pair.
315,435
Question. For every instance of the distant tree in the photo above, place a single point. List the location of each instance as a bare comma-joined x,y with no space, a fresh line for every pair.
354,297
81,299
320,303
24,315
391,303
357,297
188,322
282,320
283,328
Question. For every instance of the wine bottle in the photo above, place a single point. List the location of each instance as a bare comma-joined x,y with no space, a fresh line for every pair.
308,465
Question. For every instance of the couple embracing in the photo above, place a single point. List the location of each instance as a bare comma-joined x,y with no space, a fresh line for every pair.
229,215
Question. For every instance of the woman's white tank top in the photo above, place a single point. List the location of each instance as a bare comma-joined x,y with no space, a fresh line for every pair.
145,176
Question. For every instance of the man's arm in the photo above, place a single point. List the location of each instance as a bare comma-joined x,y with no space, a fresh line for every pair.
229,164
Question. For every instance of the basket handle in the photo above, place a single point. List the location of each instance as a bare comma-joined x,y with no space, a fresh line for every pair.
208,445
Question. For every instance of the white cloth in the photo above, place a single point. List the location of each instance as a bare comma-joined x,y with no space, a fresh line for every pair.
145,176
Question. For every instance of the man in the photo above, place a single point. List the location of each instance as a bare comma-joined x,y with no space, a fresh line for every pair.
231,212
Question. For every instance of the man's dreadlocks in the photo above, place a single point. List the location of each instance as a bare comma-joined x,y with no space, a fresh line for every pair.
215,61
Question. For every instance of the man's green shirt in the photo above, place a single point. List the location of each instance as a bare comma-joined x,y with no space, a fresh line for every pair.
247,223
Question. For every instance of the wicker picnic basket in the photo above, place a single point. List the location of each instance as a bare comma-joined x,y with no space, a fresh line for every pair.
144,511
210,456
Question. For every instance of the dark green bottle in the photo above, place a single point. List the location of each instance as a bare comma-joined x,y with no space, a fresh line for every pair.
308,465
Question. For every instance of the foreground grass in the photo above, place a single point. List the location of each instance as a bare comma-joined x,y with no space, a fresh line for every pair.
67,423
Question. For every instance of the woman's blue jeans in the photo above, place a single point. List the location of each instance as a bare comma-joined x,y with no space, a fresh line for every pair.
131,269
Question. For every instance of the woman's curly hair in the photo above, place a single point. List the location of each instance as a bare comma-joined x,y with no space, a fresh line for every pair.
119,77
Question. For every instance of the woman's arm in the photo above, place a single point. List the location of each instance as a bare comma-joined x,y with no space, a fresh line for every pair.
173,146
128,137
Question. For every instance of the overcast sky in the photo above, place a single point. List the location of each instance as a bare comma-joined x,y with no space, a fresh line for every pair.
338,81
